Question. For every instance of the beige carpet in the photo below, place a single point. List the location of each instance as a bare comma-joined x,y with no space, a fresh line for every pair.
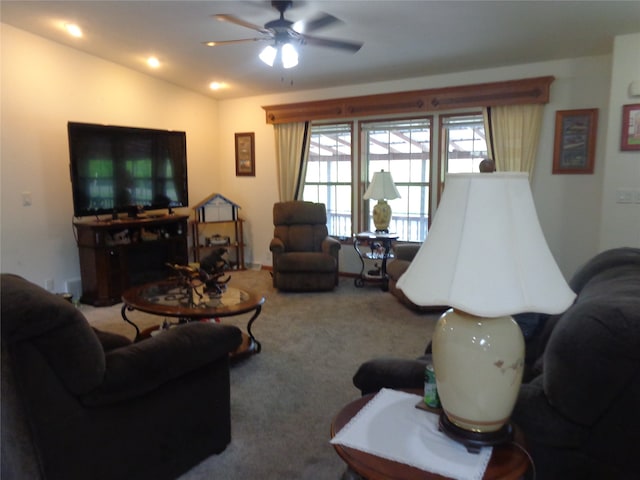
283,399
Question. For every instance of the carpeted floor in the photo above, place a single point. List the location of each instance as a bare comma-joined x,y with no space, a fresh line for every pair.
283,399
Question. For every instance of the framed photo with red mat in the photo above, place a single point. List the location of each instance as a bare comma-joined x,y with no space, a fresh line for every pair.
630,139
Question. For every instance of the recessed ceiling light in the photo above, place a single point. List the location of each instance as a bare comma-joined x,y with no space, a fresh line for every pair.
73,30
217,85
153,62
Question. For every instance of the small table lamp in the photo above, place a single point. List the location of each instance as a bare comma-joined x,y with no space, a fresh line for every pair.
381,188
486,257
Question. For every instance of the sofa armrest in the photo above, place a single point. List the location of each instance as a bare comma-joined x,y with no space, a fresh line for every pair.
276,245
111,341
394,373
141,367
405,251
331,246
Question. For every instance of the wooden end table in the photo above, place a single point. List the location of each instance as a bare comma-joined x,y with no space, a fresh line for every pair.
508,462
380,250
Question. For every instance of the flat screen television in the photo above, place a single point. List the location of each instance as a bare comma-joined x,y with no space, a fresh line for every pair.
125,169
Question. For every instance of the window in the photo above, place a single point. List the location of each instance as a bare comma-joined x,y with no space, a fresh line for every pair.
329,176
403,148
465,142
400,146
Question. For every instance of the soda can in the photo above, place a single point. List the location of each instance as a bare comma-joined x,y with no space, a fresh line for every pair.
431,398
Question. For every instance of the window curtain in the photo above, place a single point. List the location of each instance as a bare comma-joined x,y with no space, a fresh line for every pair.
514,133
292,153
487,132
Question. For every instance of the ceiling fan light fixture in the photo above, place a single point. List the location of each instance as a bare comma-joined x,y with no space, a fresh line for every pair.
268,55
284,35
287,53
289,56
298,26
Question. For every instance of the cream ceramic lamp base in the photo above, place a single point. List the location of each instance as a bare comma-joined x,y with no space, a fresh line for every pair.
382,216
478,364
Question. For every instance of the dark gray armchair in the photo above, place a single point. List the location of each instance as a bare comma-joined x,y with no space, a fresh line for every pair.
78,403
305,257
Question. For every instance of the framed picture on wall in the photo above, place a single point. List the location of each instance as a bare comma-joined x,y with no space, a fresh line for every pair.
575,141
245,154
630,127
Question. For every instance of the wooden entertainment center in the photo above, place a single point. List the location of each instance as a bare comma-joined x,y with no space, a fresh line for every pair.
117,254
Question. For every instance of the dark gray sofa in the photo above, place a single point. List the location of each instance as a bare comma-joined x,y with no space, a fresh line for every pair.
78,403
579,404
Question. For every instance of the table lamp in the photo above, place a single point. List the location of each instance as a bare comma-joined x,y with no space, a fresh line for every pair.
381,188
486,257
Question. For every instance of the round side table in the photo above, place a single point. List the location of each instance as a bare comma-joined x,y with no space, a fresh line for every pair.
508,461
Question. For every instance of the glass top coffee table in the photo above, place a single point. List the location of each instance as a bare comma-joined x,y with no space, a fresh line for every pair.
172,298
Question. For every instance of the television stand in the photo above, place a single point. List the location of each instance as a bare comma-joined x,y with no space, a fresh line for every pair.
135,211
118,254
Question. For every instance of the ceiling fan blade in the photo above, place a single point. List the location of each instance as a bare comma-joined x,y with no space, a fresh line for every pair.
321,21
223,17
327,42
231,42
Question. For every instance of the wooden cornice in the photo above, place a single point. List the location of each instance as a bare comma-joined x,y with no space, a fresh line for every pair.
511,92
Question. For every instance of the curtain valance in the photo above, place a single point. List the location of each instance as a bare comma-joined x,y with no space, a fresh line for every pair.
511,92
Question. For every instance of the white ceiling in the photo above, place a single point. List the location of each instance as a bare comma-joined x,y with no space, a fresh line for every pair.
401,38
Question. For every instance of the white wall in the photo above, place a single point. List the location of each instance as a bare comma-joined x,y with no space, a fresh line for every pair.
621,222
45,85
568,204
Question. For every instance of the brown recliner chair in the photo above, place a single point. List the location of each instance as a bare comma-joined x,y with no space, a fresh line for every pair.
305,257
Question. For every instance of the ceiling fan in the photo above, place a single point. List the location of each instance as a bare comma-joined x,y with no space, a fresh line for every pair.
283,32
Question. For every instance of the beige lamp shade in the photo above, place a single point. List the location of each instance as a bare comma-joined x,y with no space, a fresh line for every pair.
381,188
485,252
486,257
